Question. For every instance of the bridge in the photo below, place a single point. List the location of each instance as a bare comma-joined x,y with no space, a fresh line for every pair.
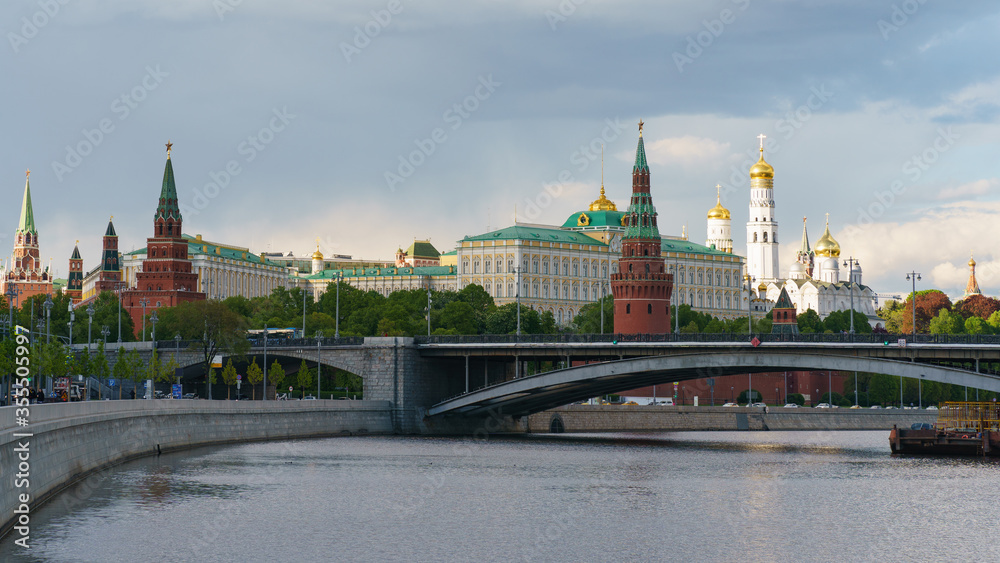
432,381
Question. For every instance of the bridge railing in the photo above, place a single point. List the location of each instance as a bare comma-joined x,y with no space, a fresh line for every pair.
308,342
814,338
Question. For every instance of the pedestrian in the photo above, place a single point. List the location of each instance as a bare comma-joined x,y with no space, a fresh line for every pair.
131,394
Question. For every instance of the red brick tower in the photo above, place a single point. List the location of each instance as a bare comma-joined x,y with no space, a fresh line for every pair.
641,288
783,316
166,279
110,276
74,284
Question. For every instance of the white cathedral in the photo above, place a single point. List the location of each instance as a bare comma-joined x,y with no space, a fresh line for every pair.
813,280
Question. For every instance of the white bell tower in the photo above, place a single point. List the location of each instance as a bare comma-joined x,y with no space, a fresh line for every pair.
762,227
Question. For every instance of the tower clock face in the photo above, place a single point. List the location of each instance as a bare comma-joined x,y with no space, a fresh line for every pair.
616,243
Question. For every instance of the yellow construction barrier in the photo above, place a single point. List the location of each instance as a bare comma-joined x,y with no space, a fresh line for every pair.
969,416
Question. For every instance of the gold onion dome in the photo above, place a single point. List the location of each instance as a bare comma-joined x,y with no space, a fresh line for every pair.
761,169
317,255
972,261
718,212
826,246
603,203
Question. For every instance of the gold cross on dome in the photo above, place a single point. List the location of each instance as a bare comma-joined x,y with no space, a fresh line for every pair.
762,137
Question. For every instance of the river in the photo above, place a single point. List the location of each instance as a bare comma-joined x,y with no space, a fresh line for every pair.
709,496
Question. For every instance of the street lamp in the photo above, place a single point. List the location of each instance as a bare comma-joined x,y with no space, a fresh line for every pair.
90,322
48,317
12,293
850,282
749,285
265,364
154,319
428,306
177,350
336,330
517,295
72,317
319,339
914,277
677,291
105,331
142,303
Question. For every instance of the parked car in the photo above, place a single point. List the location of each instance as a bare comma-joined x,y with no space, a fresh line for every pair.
790,406
823,406
759,405
875,407
931,408
856,407
730,405
189,396
308,398
630,403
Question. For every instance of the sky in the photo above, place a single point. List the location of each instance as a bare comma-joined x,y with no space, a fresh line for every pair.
362,125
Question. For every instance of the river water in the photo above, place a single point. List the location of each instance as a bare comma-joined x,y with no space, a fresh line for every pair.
767,496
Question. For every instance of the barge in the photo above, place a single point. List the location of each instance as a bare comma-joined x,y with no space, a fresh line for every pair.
962,429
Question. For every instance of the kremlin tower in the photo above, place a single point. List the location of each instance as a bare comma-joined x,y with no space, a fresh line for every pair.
110,276
74,285
641,288
166,279
26,274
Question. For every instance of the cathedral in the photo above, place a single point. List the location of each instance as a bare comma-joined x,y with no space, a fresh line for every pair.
813,281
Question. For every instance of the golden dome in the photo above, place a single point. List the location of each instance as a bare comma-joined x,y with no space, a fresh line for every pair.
762,287
761,169
603,203
826,246
317,255
718,212
972,261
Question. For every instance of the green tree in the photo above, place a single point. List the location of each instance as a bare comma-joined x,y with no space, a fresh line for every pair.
588,320
809,322
304,378
976,325
120,371
947,322
229,377
457,316
883,389
212,326
276,375
255,375
99,367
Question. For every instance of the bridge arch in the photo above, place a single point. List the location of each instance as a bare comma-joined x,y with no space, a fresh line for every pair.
555,388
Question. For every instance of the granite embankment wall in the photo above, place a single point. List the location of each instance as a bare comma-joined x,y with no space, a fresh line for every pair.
70,441
618,418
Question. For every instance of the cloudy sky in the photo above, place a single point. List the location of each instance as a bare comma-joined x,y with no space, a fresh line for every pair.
366,124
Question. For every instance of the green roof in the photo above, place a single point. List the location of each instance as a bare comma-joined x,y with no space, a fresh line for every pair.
422,249
451,253
521,232
596,219
688,247
111,230
384,272
197,247
640,157
168,195
27,222
784,302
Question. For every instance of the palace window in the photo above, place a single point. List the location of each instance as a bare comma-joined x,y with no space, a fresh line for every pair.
576,269
534,266
486,267
545,266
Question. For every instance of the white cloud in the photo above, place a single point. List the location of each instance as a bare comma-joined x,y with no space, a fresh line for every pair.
685,151
969,100
978,187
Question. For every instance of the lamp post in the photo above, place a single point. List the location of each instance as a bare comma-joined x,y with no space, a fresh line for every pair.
118,291
428,306
677,291
749,284
914,277
336,330
72,317
142,303
12,293
154,319
177,350
90,322
319,338
265,364
105,331
303,319
48,318
517,296
851,262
